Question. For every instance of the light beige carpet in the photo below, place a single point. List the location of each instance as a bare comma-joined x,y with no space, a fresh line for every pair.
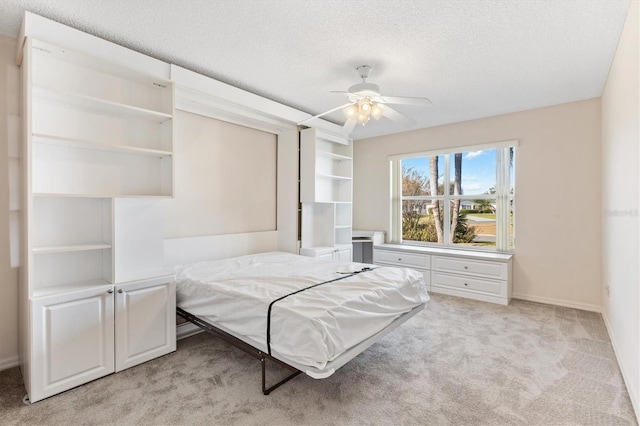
458,362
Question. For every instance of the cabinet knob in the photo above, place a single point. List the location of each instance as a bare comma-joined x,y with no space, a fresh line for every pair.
466,267
110,291
399,259
120,290
466,284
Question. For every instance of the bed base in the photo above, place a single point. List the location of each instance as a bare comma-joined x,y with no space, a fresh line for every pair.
243,346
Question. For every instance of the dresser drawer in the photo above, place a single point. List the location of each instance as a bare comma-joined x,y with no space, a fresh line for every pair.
402,259
459,282
477,267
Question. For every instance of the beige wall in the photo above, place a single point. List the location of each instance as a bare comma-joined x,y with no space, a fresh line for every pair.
621,202
9,201
558,206
224,176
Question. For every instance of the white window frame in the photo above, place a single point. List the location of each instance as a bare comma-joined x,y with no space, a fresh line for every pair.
502,195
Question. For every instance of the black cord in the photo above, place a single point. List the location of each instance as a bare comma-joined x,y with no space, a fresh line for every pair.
349,274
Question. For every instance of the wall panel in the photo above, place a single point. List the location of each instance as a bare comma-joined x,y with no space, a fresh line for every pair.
225,179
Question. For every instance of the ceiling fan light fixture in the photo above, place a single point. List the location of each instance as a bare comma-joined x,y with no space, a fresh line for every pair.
366,101
362,110
377,110
363,118
350,112
365,104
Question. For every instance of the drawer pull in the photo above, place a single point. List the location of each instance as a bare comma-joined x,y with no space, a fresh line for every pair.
466,267
466,284
399,259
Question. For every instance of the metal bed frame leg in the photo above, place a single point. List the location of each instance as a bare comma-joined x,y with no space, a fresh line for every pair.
265,391
245,347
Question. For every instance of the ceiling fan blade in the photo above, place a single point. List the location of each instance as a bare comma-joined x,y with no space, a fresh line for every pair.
407,100
324,113
343,92
349,126
394,115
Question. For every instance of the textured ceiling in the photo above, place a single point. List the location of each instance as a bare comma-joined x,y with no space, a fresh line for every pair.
471,58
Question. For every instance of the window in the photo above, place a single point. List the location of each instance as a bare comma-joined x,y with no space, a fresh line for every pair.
471,190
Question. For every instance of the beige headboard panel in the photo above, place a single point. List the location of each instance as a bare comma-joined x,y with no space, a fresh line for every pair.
225,179
182,251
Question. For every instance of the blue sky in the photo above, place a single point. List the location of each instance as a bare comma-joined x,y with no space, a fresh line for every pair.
478,170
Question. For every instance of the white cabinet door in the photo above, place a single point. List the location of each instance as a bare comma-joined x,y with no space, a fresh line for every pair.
145,320
72,340
343,254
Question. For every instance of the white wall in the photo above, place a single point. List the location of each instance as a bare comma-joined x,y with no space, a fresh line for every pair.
621,202
9,201
558,256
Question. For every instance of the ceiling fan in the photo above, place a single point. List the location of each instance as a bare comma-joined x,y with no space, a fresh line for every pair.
365,101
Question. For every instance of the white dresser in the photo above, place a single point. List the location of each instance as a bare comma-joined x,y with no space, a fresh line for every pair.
471,274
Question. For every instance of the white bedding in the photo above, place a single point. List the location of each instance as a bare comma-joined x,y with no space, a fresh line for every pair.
312,327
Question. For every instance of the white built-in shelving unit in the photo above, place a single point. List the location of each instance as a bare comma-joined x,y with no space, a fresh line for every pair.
98,160
326,173
120,143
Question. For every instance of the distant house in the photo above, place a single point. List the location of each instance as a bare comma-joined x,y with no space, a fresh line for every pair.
472,205
468,205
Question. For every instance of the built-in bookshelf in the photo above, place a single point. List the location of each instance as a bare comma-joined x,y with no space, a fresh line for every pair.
97,128
71,243
326,172
97,160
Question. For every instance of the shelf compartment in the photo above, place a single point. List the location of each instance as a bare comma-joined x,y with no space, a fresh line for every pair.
62,224
337,146
343,235
333,156
343,215
332,190
330,167
326,168
64,122
317,225
54,272
97,104
69,248
97,146
323,176
87,75
69,170
71,287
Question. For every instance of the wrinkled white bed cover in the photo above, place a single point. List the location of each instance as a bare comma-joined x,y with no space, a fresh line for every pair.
310,329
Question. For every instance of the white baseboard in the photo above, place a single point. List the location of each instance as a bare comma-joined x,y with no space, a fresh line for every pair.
628,381
10,362
558,302
187,329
